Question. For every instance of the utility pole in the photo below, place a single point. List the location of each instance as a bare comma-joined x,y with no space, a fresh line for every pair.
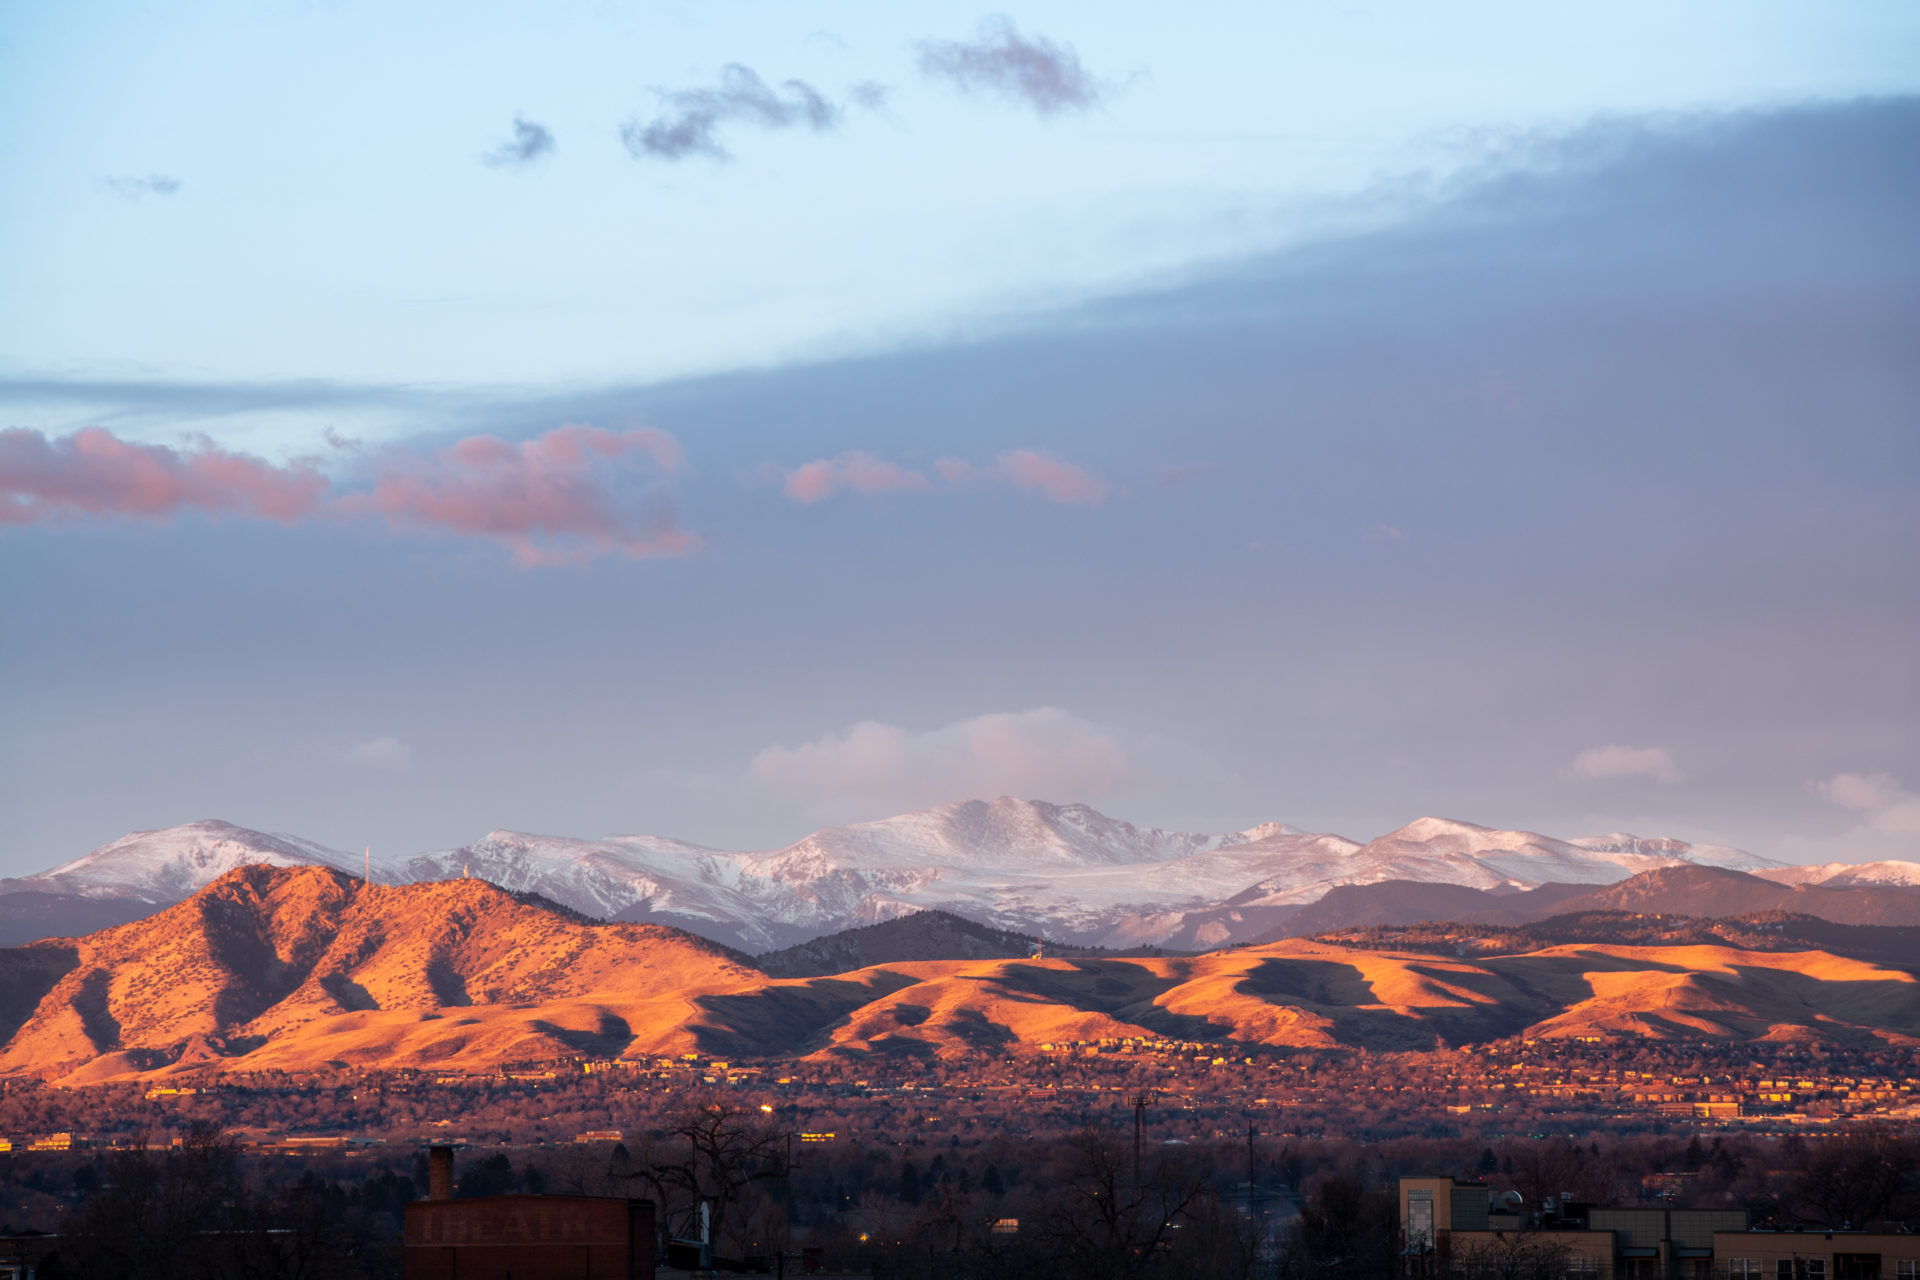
1139,1102
1249,1166
786,1233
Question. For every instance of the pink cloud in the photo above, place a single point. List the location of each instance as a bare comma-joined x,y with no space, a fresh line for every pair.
550,499
1025,469
1056,480
93,472
860,472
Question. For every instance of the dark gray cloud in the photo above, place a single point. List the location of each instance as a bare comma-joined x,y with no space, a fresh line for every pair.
691,124
1031,72
530,141
152,184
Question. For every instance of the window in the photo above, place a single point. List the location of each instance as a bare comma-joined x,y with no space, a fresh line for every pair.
1816,1269
1579,1268
1783,1268
1906,1269
1743,1269
1420,1219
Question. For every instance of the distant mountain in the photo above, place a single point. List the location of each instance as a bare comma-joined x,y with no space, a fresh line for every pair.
1704,892
1891,946
1839,875
1715,892
924,935
308,968
165,866
27,915
1063,872
1403,902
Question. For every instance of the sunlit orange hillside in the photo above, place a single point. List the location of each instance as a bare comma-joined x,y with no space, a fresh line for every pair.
300,968
296,967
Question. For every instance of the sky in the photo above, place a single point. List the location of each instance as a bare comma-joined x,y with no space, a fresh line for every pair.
724,420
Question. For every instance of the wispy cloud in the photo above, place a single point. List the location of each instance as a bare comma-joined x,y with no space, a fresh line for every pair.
1025,469
1627,762
388,754
564,496
530,141
855,471
1031,72
1043,753
1034,472
691,124
133,188
870,95
1888,806
94,473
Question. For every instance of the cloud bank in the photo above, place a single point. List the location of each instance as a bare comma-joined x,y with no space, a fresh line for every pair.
1028,470
693,118
1628,762
1035,73
530,141
560,497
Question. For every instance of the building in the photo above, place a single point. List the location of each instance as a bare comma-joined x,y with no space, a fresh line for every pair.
524,1237
1459,1229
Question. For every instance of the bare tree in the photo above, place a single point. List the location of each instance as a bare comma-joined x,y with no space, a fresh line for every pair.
1099,1225
710,1154
1854,1178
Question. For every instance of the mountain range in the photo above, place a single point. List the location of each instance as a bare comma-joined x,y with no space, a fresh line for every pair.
309,968
1064,872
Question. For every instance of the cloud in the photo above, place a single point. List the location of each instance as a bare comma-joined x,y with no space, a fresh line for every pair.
1034,73
1040,754
557,498
530,141
552,499
1627,762
1174,477
860,472
389,754
870,95
694,116
153,184
93,472
1889,807
1025,469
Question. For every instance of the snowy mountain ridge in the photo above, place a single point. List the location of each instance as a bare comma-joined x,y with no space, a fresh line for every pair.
1065,871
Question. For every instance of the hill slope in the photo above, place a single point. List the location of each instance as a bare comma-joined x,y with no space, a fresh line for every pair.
298,969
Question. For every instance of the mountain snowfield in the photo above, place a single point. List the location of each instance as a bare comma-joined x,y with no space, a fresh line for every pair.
1063,871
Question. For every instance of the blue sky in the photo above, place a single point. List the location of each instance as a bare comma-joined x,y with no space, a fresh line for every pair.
1320,414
